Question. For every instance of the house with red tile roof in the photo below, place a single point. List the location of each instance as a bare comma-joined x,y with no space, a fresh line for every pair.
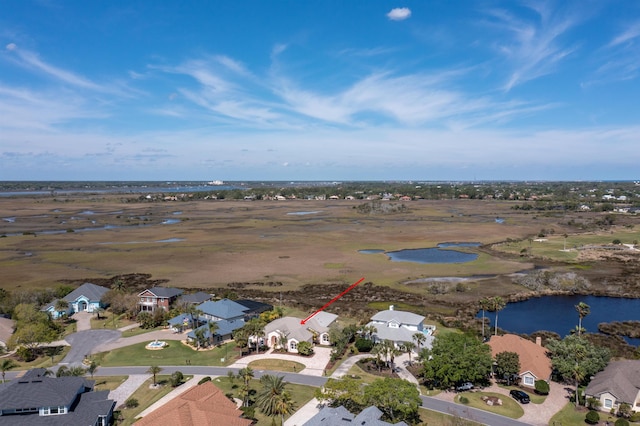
534,362
202,405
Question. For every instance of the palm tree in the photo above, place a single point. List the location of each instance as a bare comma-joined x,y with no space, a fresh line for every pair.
213,328
91,369
496,304
285,405
246,374
408,347
583,310
484,305
155,370
273,399
6,365
420,339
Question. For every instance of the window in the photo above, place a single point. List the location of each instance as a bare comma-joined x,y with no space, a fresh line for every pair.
528,380
608,403
325,338
293,345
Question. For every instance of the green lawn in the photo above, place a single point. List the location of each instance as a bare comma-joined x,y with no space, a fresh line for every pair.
137,331
174,354
300,394
108,382
107,321
435,418
277,365
509,407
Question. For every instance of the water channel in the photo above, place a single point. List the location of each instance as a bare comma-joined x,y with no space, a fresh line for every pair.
558,314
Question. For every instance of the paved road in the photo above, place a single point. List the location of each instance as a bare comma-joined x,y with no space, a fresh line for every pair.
83,342
479,416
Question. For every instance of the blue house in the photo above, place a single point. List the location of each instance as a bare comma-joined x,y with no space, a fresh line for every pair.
86,298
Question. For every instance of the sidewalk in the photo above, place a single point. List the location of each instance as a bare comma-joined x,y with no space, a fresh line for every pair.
305,412
127,388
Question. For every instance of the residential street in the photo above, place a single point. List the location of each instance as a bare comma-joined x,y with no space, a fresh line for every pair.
92,341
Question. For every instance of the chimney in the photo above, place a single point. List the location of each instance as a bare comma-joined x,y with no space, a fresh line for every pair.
391,307
539,341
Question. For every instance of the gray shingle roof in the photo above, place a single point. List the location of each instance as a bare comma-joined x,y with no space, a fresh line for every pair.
41,392
35,391
340,416
165,291
198,297
91,291
401,317
620,378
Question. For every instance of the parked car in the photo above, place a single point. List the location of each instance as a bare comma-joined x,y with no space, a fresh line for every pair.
465,387
520,396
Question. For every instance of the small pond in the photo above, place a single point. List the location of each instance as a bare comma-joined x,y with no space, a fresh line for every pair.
431,255
558,314
371,251
170,221
302,213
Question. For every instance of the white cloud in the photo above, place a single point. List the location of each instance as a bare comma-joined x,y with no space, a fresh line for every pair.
629,34
11,46
399,14
535,47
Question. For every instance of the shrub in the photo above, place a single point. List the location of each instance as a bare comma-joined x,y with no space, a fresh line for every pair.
542,387
176,379
617,241
249,412
305,349
592,417
363,345
464,400
204,380
621,422
635,417
131,403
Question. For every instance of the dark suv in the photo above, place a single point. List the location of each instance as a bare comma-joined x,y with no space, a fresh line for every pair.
520,396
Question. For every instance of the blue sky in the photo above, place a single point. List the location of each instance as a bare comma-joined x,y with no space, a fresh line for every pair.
319,90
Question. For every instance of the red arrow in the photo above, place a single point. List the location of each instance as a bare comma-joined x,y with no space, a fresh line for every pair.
351,287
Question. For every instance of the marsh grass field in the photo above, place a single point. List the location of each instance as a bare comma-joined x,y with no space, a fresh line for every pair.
266,247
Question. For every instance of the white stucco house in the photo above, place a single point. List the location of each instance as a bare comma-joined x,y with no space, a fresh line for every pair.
86,298
290,332
618,383
400,326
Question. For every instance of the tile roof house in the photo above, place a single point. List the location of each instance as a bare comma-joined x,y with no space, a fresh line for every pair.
534,362
340,416
618,383
400,326
35,399
157,298
203,404
315,330
86,298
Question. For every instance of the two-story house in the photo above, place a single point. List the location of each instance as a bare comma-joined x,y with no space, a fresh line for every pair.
36,399
400,326
157,298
